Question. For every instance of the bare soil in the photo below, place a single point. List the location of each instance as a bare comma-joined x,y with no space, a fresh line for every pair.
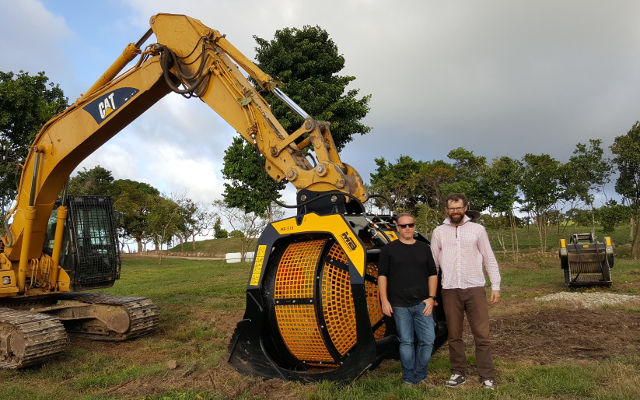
522,332
555,334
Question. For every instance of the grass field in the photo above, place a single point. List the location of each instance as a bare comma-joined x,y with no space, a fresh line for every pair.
201,301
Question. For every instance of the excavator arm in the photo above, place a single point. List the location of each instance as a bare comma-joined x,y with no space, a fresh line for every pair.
188,58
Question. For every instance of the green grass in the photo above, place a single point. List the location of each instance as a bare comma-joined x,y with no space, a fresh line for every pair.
200,302
216,246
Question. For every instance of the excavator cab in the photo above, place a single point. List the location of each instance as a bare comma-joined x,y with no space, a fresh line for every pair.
90,253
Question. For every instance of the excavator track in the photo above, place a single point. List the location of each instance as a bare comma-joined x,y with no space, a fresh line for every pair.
142,313
28,338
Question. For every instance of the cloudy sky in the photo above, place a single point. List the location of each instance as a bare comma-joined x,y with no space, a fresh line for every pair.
498,77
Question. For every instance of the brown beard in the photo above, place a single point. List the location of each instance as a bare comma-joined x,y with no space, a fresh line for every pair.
457,218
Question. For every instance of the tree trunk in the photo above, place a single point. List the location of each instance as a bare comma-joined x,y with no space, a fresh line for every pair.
635,246
515,248
139,242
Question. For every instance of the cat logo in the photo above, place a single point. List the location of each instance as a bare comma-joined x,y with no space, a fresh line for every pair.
348,241
106,104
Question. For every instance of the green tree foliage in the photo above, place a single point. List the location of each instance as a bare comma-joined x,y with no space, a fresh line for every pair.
195,220
586,170
626,150
540,186
429,180
501,181
580,217
163,221
26,103
307,63
95,181
391,181
469,170
218,231
249,187
611,214
236,234
133,202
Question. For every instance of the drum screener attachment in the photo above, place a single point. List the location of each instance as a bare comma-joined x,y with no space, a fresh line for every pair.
586,262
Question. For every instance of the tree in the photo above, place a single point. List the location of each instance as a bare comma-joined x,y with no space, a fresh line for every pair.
195,220
469,170
502,180
164,220
95,181
26,103
540,186
429,180
612,214
626,150
391,181
307,63
249,187
246,226
133,201
585,171
218,231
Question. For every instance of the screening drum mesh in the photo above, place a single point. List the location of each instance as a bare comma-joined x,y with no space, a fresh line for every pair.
297,269
589,261
298,322
337,302
373,302
299,330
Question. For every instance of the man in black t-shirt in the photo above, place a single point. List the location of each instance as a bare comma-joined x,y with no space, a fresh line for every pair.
407,282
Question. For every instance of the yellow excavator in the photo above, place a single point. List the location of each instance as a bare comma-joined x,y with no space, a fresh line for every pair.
312,302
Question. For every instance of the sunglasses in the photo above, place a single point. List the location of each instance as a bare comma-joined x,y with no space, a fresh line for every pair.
405,225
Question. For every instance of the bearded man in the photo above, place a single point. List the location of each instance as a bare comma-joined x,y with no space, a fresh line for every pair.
460,249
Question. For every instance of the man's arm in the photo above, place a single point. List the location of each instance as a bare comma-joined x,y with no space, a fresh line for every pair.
384,301
491,265
383,270
435,247
430,302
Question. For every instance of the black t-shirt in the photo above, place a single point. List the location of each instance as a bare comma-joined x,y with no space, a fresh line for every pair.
407,268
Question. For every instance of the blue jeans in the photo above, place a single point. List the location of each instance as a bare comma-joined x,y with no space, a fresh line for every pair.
416,334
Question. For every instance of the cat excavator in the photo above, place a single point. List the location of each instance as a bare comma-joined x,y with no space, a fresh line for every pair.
312,303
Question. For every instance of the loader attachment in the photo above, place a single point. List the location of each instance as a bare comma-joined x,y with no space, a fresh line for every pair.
585,261
313,311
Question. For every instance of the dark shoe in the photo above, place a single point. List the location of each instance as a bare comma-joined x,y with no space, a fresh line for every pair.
488,384
455,380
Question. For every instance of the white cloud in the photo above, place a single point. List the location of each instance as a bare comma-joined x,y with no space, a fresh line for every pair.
30,35
497,77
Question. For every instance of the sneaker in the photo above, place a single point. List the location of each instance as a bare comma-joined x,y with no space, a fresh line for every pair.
407,383
455,380
488,384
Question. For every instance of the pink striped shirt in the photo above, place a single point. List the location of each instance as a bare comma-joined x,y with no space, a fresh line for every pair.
460,252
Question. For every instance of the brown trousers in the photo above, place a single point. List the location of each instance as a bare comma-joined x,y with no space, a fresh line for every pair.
473,302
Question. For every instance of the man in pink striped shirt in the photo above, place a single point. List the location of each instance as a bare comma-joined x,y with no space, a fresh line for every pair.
460,249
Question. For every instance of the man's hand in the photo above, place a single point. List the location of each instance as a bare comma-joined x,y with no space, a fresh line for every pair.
386,308
428,306
495,296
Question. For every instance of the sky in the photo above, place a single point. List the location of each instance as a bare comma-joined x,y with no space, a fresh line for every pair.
497,77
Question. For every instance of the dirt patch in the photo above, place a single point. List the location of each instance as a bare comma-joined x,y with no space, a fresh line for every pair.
545,336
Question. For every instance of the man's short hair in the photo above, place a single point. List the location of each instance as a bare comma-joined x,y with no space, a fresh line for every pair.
457,197
404,214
